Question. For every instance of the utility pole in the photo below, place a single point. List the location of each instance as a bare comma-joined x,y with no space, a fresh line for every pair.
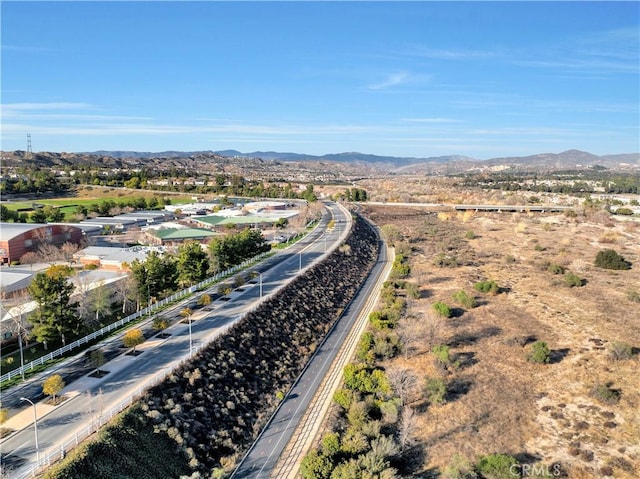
29,150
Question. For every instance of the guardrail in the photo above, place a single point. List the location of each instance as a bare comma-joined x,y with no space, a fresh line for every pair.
118,324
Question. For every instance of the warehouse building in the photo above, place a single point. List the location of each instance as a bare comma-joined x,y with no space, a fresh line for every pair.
16,239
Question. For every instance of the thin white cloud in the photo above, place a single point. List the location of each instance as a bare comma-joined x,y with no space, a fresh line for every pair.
16,107
430,120
454,54
392,80
583,64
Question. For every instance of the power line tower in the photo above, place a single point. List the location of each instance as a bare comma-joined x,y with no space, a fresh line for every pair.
29,150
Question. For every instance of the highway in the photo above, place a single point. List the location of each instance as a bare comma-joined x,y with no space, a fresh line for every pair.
263,457
93,401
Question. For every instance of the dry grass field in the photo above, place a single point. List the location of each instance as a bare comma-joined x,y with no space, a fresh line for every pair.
497,400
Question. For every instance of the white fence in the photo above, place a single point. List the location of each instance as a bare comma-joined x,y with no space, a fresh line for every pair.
49,457
118,324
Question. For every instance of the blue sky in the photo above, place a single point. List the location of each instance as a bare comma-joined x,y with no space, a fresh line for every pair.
412,79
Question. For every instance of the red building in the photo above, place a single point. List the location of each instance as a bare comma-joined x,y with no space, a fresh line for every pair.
16,239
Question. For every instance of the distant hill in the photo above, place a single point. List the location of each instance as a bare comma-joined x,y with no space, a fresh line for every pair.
368,163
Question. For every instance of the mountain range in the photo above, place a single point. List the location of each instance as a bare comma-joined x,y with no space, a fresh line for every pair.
570,159
566,159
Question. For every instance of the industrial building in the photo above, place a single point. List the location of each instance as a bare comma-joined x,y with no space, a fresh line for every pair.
16,239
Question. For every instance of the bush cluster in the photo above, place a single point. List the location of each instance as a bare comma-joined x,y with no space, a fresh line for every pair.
488,286
442,309
610,259
539,353
464,299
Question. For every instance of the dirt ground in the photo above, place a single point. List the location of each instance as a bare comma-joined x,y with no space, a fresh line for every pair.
498,401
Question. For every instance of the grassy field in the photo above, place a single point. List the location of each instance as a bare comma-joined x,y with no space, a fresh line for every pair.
90,195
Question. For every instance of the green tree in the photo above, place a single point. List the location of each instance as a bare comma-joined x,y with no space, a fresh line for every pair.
97,359
192,263
38,216
235,248
56,316
156,275
133,338
52,386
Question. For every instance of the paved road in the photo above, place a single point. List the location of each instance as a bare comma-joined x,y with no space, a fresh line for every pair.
93,401
261,460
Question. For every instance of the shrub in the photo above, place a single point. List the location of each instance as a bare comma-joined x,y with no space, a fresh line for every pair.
344,398
459,467
465,300
488,286
470,235
539,353
442,309
633,296
498,466
315,465
443,259
624,211
610,259
573,280
603,393
412,289
435,389
441,353
620,351
555,268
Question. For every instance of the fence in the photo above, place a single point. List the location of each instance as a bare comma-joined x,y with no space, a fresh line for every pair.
118,324
47,458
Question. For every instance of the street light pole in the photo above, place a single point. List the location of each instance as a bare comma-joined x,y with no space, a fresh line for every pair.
260,283
35,425
190,341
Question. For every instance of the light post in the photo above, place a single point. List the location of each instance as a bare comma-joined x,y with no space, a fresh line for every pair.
35,425
260,283
300,263
186,312
190,340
